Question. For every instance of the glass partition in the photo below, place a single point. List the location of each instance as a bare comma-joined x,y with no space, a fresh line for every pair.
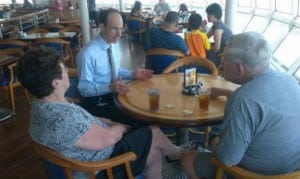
257,24
275,33
288,51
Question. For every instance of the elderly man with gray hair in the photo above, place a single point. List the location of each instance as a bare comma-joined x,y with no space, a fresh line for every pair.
261,119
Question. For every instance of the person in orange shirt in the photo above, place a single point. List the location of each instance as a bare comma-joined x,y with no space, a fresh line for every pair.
196,40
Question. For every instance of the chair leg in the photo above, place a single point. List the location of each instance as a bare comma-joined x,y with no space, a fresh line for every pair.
12,98
206,133
27,96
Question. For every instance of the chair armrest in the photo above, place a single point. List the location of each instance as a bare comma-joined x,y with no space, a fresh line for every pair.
241,173
104,164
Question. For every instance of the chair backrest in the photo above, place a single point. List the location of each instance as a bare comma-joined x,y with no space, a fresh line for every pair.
37,30
136,25
12,52
198,62
241,173
13,43
60,45
68,165
52,27
158,59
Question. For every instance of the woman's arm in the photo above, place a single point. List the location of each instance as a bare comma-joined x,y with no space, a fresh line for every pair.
217,40
98,137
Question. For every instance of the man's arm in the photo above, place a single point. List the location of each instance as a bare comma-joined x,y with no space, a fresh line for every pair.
87,85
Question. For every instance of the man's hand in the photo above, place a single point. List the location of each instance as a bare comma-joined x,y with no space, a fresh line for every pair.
142,74
215,92
119,87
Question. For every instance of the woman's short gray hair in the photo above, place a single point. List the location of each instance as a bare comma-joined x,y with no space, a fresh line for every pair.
251,48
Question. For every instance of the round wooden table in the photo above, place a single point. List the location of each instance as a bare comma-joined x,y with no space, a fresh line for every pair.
175,108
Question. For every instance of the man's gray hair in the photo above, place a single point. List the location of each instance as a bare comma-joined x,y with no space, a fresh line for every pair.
251,48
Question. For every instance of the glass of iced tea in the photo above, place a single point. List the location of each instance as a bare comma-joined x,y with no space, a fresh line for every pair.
204,97
153,99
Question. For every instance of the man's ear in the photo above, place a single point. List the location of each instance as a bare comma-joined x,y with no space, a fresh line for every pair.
102,27
241,68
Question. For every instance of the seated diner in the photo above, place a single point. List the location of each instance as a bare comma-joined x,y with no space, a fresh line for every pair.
71,131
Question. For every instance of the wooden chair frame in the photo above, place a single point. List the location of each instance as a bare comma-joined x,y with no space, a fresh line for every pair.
68,165
192,61
37,30
164,51
241,173
13,82
14,42
157,64
65,48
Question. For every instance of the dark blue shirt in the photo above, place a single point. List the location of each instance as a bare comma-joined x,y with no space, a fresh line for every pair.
160,38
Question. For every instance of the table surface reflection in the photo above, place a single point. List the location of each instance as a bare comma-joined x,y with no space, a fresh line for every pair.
176,109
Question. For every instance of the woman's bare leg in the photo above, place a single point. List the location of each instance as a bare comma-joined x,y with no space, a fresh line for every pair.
160,145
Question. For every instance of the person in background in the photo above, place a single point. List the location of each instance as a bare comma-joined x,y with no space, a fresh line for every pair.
137,10
197,40
220,32
73,132
166,37
99,71
260,126
183,10
162,7
27,4
6,13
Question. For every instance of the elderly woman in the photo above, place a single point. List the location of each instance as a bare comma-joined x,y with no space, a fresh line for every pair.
73,132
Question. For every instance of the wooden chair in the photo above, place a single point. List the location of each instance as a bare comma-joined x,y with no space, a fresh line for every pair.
61,46
136,28
158,59
68,165
198,62
76,43
37,30
241,173
12,79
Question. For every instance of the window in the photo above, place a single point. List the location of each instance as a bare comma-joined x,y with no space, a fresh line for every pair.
288,50
257,24
245,3
243,20
6,1
298,8
107,4
263,4
284,6
275,32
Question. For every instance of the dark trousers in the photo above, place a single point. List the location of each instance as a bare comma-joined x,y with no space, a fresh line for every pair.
104,106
